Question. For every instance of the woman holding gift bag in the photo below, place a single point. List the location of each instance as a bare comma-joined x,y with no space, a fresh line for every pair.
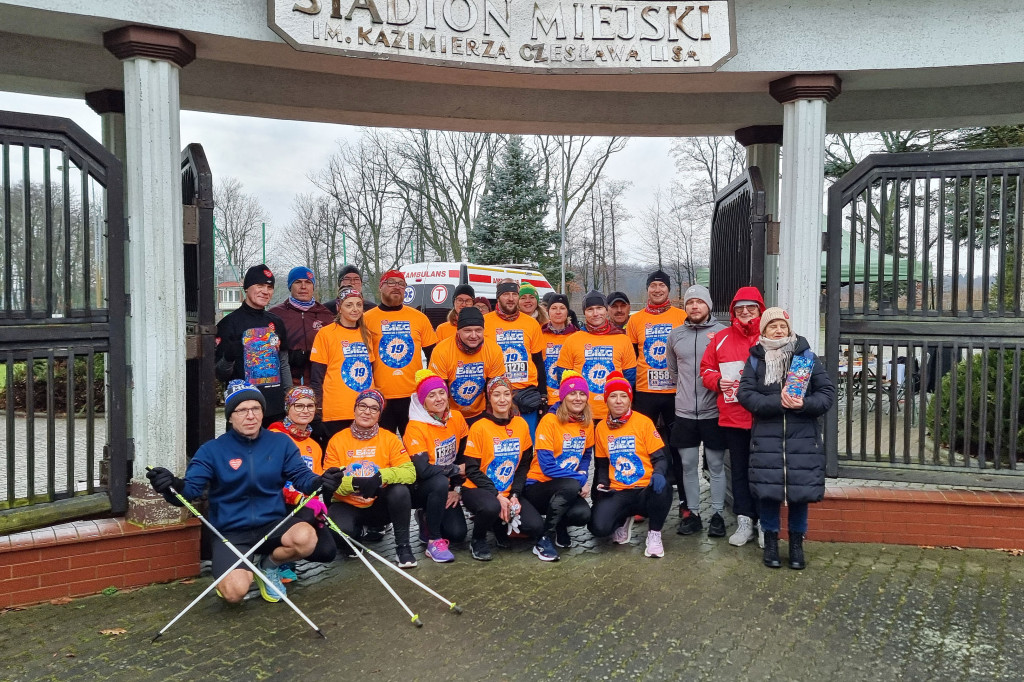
787,457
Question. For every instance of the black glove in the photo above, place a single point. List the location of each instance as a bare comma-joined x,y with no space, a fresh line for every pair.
330,480
163,480
367,485
528,400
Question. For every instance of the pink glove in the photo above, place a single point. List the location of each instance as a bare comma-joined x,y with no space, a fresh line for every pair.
317,506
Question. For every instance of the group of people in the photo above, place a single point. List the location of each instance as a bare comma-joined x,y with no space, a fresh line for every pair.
522,417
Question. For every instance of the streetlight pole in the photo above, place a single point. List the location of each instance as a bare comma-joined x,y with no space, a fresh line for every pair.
561,220
264,243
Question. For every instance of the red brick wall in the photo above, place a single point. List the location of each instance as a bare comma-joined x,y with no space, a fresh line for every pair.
86,557
965,518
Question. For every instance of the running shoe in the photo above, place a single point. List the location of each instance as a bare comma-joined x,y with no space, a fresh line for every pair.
273,589
621,534
545,549
288,574
480,550
405,557
653,547
439,552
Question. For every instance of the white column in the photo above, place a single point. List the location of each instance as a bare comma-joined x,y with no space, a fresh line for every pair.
801,197
766,158
156,323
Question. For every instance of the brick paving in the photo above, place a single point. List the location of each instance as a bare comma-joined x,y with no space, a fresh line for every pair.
707,611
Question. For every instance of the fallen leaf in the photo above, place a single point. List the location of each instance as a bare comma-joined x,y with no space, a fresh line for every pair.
61,600
187,581
109,590
113,631
1013,552
69,655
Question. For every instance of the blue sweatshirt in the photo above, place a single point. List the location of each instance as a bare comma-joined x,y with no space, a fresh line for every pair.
246,477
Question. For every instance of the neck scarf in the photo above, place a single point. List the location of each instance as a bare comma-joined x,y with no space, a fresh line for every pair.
508,318
302,305
364,434
300,432
615,423
466,349
748,329
607,329
777,355
565,331
575,418
658,309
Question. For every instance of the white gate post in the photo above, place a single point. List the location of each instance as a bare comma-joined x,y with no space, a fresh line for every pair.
152,60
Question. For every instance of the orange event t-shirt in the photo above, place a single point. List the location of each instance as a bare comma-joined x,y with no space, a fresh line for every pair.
364,457
594,357
650,334
445,330
568,442
518,340
398,338
441,443
552,349
628,450
467,375
499,449
349,369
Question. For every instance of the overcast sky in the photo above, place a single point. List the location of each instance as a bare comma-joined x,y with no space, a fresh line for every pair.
272,157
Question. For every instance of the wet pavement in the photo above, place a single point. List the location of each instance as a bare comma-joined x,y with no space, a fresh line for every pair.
707,611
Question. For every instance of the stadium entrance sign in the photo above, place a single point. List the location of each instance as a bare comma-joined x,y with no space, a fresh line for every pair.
545,36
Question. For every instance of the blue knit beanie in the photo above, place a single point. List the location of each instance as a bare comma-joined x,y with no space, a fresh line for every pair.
300,272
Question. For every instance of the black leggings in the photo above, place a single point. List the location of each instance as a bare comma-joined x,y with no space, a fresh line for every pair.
611,509
559,500
326,548
431,495
486,510
743,501
393,504
395,416
654,405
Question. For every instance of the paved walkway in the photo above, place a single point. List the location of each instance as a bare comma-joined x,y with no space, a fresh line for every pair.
707,611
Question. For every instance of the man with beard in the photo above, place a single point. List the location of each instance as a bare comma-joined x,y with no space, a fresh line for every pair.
466,362
648,331
519,338
400,336
252,344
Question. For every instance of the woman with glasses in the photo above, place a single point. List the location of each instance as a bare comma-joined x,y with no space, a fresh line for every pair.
378,473
720,371
341,361
300,408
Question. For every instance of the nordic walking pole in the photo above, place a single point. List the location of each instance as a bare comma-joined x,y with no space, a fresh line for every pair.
235,565
413,616
244,559
450,604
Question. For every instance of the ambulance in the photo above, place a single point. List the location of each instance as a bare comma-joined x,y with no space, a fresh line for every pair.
430,287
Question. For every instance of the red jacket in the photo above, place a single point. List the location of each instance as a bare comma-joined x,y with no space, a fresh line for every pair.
731,348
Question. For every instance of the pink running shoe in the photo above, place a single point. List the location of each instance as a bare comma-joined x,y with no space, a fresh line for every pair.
621,534
654,547
439,552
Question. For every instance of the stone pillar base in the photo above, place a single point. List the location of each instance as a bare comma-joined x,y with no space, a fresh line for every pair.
146,508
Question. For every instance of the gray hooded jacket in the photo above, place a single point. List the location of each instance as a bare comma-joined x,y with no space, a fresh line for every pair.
686,346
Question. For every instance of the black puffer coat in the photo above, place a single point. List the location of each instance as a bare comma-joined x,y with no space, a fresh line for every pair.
787,457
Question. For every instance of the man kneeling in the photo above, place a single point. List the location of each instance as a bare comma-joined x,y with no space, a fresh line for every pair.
246,469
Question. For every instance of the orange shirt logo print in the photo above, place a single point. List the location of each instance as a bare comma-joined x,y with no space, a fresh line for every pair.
396,344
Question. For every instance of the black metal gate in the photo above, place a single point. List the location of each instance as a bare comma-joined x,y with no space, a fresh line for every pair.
62,315
925,326
738,239
200,304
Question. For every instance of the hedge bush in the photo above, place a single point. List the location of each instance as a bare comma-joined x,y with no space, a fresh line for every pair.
982,389
16,385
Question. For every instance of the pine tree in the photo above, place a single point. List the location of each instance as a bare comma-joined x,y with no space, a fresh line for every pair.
510,225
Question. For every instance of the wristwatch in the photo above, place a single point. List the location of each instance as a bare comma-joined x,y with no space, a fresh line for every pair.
457,490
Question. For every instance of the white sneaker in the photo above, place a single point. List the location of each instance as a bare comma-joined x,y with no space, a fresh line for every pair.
653,546
744,532
622,533
760,535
